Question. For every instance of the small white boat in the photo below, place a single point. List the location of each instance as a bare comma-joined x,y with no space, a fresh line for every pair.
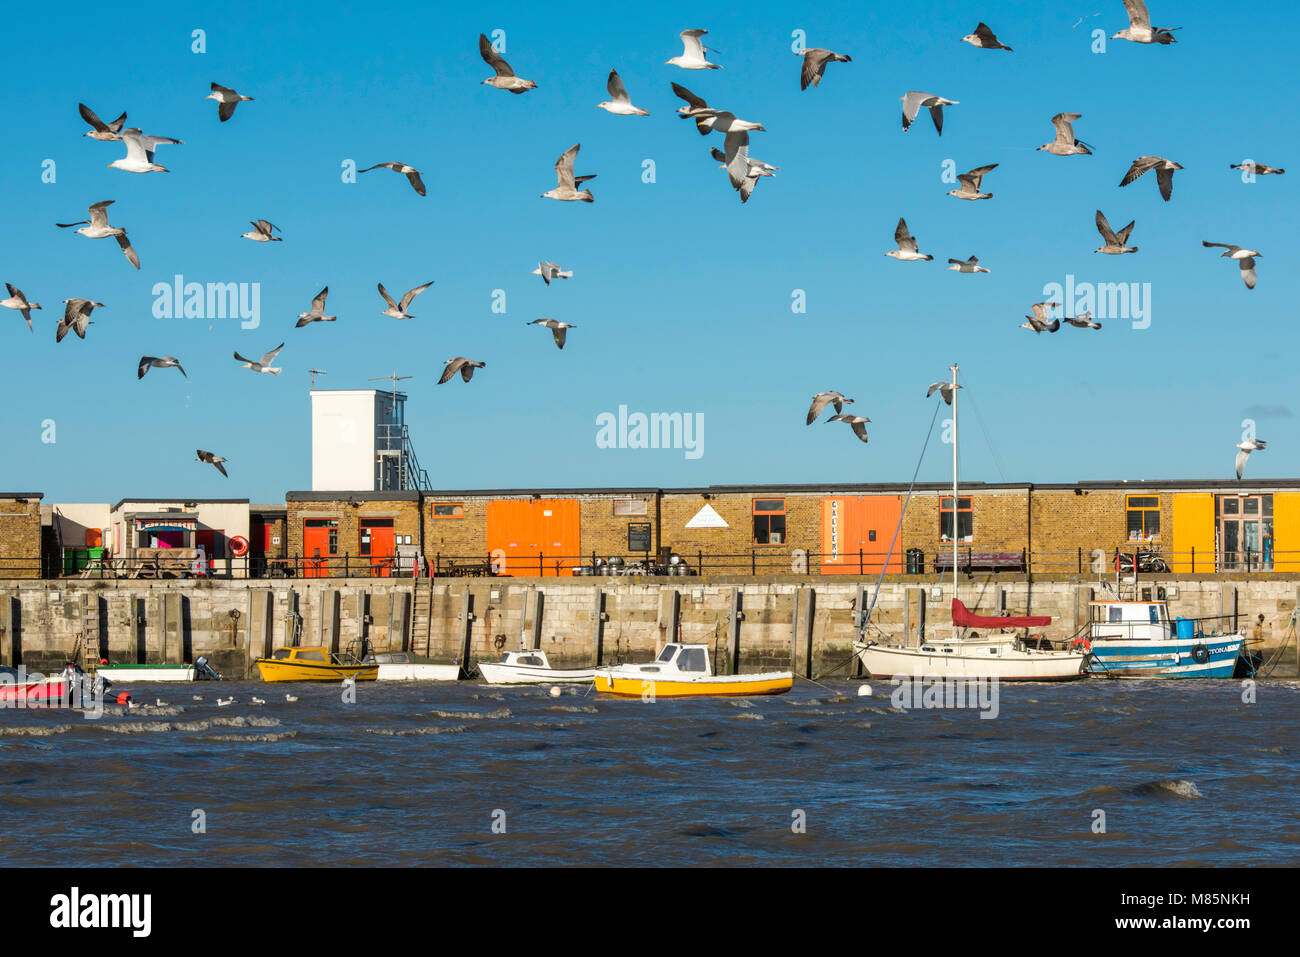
685,671
136,673
530,668
403,666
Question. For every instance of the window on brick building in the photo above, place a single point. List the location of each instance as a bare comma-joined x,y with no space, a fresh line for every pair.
769,521
1143,517
448,510
965,520
627,507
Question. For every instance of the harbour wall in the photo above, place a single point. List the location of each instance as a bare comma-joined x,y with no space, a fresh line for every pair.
783,622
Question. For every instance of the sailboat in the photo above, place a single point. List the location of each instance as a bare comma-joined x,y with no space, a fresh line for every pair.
998,656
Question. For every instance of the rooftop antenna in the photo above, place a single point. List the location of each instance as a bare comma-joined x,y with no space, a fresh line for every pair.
397,421
314,374
396,378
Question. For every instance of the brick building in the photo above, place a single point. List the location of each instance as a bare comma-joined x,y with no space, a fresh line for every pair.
20,534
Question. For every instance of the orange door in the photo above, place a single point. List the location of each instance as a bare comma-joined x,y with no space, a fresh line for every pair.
378,542
529,536
317,545
856,534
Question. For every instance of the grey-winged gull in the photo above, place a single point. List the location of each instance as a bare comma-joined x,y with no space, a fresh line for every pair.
1038,321
505,78
317,311
1261,169
1246,447
202,456
823,399
857,422
261,232
945,390
20,302
1245,259
566,188
693,55
1139,28
619,103
549,270
557,328
1083,320
157,362
985,39
1116,243
398,310
227,99
411,173
1065,144
99,229
907,250
105,132
263,364
914,100
970,183
971,265
1164,173
139,152
76,316
814,65
462,365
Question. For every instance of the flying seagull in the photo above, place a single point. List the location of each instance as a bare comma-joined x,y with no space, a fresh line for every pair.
567,184
261,232
263,364
693,53
1246,447
399,311
751,170
696,109
1261,169
411,172
1164,173
985,39
1083,321
317,312
1065,144
76,316
1139,26
945,390
462,365
966,265
814,65
549,270
913,102
227,99
557,329
157,362
505,78
1038,321
139,152
105,132
619,102
907,248
970,184
724,121
823,399
1116,243
1245,259
857,422
202,456
99,229
18,301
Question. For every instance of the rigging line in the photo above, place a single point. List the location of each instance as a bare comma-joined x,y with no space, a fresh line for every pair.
997,462
866,618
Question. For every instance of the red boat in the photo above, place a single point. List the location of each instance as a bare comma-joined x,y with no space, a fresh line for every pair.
19,689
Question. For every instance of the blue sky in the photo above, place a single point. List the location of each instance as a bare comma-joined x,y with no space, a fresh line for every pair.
681,295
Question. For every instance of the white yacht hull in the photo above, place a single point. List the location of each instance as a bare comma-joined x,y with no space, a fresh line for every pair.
999,660
495,673
418,672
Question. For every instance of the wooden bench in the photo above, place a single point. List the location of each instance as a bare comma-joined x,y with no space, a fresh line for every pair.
969,561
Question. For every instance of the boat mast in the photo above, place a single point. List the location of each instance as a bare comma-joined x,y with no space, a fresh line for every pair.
953,369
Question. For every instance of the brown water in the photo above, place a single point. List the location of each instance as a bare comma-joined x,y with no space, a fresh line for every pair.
417,774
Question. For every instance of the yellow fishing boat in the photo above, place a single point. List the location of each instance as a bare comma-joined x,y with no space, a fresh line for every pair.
313,664
684,671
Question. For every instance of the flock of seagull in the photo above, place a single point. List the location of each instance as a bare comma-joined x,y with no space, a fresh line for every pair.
743,172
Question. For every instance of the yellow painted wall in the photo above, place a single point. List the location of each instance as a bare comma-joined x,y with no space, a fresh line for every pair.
1286,531
1193,529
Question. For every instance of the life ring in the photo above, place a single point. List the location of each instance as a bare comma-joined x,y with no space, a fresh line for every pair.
1083,640
239,546
1200,654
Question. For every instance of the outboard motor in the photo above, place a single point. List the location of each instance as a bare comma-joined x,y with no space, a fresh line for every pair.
204,670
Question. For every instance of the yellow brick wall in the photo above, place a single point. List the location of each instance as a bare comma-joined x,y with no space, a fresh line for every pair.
20,537
405,515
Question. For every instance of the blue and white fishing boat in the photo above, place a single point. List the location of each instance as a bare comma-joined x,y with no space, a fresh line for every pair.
1137,639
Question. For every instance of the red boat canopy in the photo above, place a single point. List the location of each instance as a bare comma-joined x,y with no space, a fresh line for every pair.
964,618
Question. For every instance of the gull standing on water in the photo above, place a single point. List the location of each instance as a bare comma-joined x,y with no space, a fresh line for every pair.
76,316
410,172
263,364
139,152
227,99
1139,26
1245,259
857,422
907,249
505,78
557,329
317,311
966,265
913,102
549,270
814,65
104,132
1164,173
693,52
945,390
823,399
18,301
1065,144
261,232
1116,243
985,39
158,362
99,229
202,456
567,184
1246,447
970,184
462,365
399,311
1038,321
619,102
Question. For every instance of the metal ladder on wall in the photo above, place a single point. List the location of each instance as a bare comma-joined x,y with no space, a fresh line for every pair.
87,645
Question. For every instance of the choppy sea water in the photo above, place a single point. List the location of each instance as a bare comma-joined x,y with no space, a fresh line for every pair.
1185,773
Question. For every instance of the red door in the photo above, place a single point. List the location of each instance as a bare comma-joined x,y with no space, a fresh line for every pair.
210,540
320,540
378,543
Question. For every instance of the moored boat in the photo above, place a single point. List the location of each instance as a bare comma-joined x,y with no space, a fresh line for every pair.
1137,639
125,672
530,667
313,663
406,666
685,671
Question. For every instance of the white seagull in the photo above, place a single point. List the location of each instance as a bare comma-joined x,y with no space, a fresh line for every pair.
1164,173
557,329
396,310
139,152
1038,321
18,301
1245,259
966,265
1116,243
462,365
945,390
549,270
227,99
104,132
907,248
261,232
99,229
619,102
505,78
914,100
1139,26
693,52
741,164
823,399
410,172
76,316
566,188
157,362
1246,447
1065,144
695,109
970,184
317,311
263,364
857,422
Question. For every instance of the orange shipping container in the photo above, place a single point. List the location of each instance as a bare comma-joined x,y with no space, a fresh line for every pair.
856,532
523,532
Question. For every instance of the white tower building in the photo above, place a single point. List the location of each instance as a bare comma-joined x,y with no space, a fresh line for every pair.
359,442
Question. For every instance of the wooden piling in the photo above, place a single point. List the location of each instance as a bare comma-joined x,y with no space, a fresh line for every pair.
466,619
598,626
539,608
733,630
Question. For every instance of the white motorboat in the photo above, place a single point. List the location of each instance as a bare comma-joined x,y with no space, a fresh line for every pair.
135,673
530,668
686,671
404,666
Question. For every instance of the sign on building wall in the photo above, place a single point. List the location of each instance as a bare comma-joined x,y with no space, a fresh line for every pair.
638,536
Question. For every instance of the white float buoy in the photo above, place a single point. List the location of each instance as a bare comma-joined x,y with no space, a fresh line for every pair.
864,691
290,698
555,691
